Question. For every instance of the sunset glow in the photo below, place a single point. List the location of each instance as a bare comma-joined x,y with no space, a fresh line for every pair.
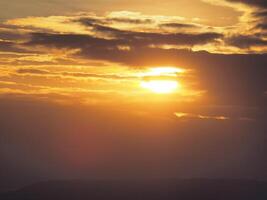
161,80
139,89
160,86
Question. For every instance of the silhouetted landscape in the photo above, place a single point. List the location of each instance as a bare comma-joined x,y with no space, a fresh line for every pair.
195,189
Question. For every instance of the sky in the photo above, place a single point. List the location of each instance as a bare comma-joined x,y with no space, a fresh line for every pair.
132,89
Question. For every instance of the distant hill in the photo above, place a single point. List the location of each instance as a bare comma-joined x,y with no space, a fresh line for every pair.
142,190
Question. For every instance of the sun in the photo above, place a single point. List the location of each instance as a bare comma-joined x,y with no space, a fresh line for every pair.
161,80
160,86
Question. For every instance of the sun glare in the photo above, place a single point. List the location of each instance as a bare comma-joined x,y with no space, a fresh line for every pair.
160,86
161,80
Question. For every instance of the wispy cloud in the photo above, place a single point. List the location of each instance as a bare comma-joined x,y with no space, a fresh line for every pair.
191,116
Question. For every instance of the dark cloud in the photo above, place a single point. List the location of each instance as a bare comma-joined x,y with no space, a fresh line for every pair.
218,73
246,41
9,46
131,39
187,39
73,41
178,25
89,21
262,26
148,38
260,19
259,3
260,14
110,30
11,35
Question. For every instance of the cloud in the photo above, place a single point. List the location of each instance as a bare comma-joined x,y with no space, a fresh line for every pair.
104,40
258,3
214,73
94,47
178,25
9,46
190,116
246,41
260,20
123,48
148,38
10,35
131,21
128,30
89,21
260,14
255,14
262,26
32,71
73,41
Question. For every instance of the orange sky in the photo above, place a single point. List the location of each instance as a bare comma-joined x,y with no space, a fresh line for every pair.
178,85
48,51
211,14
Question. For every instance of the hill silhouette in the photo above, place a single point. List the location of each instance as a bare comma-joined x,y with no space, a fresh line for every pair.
142,190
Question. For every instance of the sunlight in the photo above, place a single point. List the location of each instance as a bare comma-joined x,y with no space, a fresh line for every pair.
161,80
160,86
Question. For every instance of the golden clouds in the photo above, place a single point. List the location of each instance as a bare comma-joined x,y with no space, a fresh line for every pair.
188,116
185,117
125,30
83,83
61,24
87,53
